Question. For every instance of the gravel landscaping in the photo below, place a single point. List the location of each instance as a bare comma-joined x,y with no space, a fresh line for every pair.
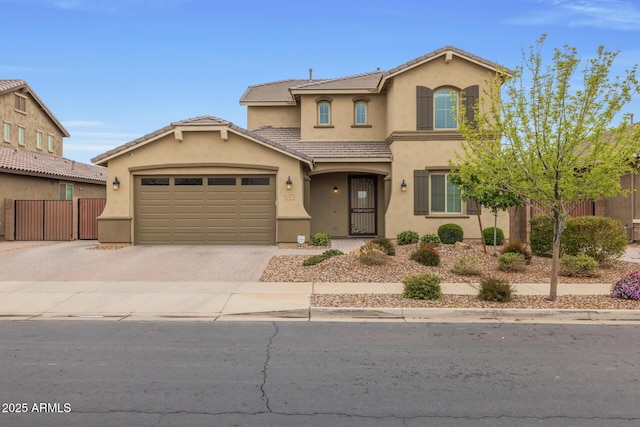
348,268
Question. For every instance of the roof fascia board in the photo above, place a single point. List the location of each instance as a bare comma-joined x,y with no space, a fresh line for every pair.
332,91
52,176
353,159
268,103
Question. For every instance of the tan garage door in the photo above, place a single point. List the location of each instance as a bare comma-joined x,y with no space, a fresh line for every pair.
205,210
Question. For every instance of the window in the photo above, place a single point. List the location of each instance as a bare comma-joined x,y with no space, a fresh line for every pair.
20,135
445,101
445,196
324,113
7,132
39,140
361,113
155,181
21,104
50,142
66,191
254,181
187,181
222,181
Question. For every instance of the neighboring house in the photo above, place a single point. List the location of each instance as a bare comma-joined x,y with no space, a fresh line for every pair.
363,155
31,162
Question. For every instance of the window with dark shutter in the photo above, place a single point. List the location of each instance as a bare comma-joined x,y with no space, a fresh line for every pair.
424,108
470,96
420,192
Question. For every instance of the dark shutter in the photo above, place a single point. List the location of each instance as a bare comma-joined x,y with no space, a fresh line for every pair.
470,96
473,208
421,192
424,98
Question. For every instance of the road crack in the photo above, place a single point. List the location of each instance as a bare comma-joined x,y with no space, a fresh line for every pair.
265,397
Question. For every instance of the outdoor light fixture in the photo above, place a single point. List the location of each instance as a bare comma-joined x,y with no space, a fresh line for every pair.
289,183
335,190
403,186
116,184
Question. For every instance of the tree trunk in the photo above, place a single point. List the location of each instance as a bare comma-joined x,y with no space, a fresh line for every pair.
484,244
558,228
495,232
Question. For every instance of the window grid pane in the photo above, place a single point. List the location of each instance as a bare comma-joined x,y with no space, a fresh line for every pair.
454,200
323,113
361,113
444,102
438,193
20,135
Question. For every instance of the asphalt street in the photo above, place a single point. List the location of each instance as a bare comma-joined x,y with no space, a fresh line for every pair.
78,373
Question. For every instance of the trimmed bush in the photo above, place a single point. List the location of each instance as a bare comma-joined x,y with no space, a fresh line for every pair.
466,266
627,287
541,237
578,266
317,259
488,236
407,237
518,248
422,286
511,262
603,239
321,239
495,290
385,244
431,238
372,254
426,255
450,233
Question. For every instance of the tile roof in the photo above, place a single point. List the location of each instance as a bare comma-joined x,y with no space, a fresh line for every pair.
41,164
201,121
360,81
272,92
8,86
326,149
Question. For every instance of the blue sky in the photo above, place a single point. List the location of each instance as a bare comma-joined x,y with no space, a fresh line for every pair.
113,70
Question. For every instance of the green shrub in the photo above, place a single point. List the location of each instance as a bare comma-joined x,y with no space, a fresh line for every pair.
320,239
431,238
488,236
518,248
495,290
372,254
578,266
407,237
603,239
385,244
466,266
450,233
511,262
541,237
317,259
426,255
422,286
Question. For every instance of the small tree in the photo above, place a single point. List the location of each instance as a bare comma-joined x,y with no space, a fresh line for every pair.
549,143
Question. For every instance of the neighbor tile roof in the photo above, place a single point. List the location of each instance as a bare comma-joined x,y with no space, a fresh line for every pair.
48,165
361,81
326,149
202,121
8,86
272,92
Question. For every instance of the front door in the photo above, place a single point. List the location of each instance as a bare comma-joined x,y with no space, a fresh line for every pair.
362,205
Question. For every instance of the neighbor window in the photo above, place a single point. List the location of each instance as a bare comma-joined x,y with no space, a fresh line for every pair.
324,113
66,191
7,132
39,140
20,135
445,196
445,102
21,104
50,142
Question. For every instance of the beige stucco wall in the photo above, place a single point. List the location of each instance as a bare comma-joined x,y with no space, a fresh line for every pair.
35,120
203,153
343,119
280,116
620,207
23,187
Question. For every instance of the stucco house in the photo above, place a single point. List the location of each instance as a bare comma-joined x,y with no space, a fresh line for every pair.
362,155
31,162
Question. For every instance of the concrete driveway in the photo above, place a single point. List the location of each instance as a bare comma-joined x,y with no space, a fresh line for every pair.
80,260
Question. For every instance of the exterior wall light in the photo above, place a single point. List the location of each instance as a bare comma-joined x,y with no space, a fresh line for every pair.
403,186
116,184
335,190
289,183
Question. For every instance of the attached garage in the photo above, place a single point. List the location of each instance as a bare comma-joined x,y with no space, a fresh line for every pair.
205,209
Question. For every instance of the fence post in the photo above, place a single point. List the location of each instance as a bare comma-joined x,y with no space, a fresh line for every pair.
75,217
9,219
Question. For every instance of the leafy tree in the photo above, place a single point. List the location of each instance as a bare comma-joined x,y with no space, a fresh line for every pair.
549,142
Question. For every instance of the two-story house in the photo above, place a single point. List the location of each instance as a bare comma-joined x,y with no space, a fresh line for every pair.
363,155
31,162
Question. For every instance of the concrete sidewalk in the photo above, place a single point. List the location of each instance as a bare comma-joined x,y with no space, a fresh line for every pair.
228,301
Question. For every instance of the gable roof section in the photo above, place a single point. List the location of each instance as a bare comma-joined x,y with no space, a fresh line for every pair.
24,162
8,86
209,123
277,93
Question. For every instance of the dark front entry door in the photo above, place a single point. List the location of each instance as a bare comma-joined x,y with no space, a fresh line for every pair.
362,205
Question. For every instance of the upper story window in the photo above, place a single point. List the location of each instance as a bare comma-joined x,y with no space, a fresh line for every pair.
324,111
50,143
39,140
445,104
20,135
6,132
361,113
21,103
